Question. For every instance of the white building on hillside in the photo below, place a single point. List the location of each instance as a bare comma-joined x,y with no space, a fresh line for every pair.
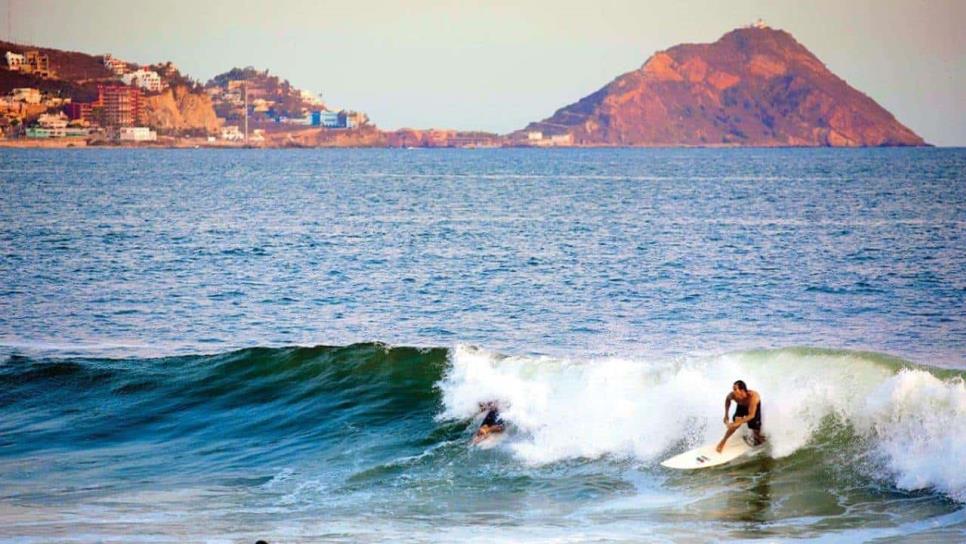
14,61
148,80
117,66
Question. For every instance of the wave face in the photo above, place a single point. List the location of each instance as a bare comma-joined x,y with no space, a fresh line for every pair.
370,442
200,415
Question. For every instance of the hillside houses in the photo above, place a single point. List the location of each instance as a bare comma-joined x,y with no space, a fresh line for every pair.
52,94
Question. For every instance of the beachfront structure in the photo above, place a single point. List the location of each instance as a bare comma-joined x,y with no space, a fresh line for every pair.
304,120
148,80
120,105
54,125
52,120
232,133
43,133
342,119
66,132
137,134
327,119
14,61
352,119
562,139
27,95
117,66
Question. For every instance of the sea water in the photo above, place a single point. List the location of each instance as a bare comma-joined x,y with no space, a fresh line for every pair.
226,345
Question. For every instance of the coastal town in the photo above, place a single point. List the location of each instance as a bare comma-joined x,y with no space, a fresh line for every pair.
754,86
53,98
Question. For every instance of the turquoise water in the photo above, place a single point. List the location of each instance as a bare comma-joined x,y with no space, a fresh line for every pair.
153,304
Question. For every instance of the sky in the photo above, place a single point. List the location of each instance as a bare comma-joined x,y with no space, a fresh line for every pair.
497,65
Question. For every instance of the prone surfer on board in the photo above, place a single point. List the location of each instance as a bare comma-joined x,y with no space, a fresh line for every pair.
748,411
492,423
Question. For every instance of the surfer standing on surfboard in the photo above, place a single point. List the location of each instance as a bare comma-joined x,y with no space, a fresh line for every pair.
748,411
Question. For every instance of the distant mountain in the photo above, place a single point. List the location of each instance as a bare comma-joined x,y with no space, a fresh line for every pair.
755,86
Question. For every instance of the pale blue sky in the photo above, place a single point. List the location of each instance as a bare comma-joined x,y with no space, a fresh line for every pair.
497,65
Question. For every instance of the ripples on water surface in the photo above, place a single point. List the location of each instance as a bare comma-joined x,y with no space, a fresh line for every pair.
611,296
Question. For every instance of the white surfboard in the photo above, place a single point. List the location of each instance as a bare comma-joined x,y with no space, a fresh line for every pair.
706,456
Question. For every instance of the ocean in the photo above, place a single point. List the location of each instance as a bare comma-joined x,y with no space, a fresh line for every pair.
292,345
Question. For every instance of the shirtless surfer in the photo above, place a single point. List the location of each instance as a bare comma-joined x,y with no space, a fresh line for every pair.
492,423
748,411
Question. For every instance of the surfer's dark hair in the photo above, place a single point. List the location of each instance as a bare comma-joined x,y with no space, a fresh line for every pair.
741,385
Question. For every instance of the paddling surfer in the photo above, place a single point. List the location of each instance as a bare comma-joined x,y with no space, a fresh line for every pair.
748,410
492,423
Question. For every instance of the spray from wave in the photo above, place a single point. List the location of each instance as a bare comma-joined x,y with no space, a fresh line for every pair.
909,424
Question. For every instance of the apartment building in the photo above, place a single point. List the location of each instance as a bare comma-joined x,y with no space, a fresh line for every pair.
120,105
37,63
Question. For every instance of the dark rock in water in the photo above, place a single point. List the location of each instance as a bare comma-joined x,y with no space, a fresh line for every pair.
754,86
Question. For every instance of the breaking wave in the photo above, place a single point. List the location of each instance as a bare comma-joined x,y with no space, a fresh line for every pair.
903,423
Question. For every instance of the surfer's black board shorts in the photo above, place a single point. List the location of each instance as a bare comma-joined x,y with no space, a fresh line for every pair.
492,418
754,423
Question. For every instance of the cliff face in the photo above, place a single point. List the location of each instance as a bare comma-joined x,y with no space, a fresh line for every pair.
180,110
754,86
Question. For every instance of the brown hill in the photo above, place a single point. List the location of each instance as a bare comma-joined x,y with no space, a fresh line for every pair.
75,74
67,65
754,86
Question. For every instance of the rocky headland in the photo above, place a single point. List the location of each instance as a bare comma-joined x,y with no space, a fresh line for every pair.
755,86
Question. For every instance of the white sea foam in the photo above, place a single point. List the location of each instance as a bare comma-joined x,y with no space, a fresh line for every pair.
920,426
640,409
